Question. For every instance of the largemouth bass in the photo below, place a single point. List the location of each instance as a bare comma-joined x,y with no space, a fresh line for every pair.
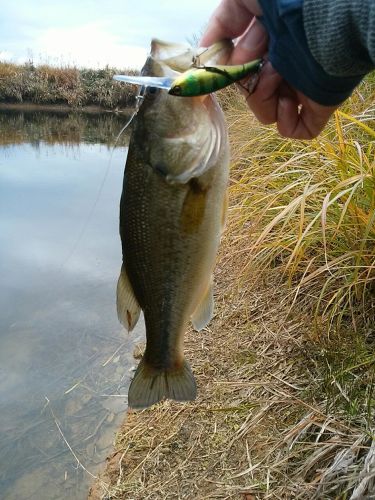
172,213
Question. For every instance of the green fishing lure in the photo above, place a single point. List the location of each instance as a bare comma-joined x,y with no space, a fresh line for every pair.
207,79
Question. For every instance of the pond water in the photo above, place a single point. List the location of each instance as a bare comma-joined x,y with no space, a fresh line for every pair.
65,361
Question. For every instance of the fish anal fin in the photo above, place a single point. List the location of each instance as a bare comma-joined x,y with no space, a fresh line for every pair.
128,309
149,386
205,310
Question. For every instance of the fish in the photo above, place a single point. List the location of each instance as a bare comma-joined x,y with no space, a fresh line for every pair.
172,213
207,79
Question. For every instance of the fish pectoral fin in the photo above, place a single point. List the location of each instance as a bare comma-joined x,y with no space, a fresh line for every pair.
148,386
205,310
128,309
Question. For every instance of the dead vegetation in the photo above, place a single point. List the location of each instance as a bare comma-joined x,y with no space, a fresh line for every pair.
285,406
260,428
66,85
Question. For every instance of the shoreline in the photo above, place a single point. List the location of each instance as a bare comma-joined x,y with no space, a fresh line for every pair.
62,108
184,446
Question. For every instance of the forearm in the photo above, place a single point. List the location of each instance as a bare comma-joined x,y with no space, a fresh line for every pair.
310,49
341,35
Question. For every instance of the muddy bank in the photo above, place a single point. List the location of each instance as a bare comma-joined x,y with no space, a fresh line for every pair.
251,374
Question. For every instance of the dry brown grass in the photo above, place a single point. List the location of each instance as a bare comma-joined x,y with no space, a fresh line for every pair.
258,429
268,423
71,86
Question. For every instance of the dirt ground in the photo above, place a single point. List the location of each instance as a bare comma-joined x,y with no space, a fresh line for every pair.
254,423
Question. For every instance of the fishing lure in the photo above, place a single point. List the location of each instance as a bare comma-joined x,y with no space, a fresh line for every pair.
201,80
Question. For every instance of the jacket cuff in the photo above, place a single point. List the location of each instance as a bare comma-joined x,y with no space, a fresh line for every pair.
291,57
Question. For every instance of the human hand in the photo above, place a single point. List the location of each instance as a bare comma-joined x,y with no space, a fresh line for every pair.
274,100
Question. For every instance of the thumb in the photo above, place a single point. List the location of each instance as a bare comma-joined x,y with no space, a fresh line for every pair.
251,45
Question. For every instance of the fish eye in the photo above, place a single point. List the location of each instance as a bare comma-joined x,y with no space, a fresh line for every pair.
152,90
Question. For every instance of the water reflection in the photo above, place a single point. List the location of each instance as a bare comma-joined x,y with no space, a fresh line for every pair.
65,362
18,127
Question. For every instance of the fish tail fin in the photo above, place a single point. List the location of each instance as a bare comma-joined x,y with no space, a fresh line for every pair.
149,386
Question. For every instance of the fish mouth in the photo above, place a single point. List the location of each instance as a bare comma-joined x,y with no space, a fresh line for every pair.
218,53
168,60
180,57
177,57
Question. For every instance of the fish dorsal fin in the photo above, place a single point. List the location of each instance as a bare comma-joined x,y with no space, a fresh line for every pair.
205,310
128,309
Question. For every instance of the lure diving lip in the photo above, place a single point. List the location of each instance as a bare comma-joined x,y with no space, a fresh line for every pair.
162,82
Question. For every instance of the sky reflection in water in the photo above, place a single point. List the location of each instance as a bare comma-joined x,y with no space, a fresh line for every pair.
60,339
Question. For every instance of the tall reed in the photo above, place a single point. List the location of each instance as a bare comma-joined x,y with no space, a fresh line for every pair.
308,208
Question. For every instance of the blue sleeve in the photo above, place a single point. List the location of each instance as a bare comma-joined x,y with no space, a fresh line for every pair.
291,57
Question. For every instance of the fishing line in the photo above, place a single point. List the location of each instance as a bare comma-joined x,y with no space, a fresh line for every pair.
87,221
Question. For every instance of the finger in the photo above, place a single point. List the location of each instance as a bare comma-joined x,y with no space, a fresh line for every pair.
299,125
298,117
230,20
252,44
314,117
264,100
288,118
